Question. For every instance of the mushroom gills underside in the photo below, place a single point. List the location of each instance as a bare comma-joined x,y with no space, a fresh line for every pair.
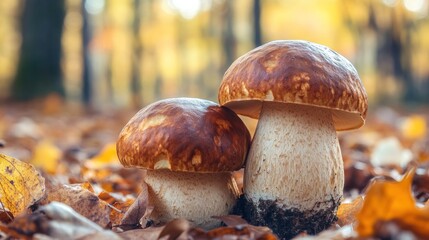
197,197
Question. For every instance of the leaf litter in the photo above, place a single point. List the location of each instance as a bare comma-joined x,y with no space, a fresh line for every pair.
68,183
20,185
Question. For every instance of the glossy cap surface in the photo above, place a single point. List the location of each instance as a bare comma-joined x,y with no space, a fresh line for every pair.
184,134
299,72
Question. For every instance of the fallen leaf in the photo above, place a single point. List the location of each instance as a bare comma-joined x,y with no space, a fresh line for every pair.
345,232
106,157
103,235
20,185
81,200
22,227
117,214
245,231
347,211
174,229
46,156
87,186
413,127
139,211
106,196
232,220
114,183
7,232
58,221
237,226
5,216
393,201
149,233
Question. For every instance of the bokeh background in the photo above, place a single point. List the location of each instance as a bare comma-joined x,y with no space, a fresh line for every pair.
108,54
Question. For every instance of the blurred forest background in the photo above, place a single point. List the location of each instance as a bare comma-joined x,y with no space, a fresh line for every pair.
119,53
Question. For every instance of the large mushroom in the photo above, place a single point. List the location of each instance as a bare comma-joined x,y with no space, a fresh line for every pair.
302,93
189,147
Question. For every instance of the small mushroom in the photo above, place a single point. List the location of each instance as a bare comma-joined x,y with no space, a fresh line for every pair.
302,93
189,147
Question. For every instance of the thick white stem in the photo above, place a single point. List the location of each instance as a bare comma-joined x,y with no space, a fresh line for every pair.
193,196
295,158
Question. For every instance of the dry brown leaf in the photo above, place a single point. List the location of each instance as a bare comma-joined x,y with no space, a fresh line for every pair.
117,216
119,205
237,232
347,211
173,229
139,211
149,233
393,201
103,235
232,220
237,226
10,233
221,232
22,227
64,222
20,185
114,183
106,196
5,216
57,221
87,186
81,200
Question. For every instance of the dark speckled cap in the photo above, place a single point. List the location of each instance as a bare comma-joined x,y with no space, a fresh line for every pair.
184,134
298,72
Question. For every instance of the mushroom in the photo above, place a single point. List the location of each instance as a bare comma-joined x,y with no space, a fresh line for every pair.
302,93
189,147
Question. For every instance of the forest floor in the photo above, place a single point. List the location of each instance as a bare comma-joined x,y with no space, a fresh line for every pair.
60,179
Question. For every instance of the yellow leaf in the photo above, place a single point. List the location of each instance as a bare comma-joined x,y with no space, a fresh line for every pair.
414,127
347,211
106,157
393,201
20,184
46,156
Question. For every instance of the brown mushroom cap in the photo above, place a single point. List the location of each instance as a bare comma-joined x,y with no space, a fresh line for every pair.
184,134
299,72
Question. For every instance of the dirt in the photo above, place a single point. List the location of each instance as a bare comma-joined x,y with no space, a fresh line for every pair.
286,222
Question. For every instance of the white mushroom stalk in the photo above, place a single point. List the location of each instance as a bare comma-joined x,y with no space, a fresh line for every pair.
295,159
302,92
197,197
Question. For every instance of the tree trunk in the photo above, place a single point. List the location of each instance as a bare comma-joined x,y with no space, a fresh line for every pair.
228,38
86,68
257,35
135,79
39,70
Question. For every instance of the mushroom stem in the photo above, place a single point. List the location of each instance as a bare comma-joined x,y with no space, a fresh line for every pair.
196,197
295,165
